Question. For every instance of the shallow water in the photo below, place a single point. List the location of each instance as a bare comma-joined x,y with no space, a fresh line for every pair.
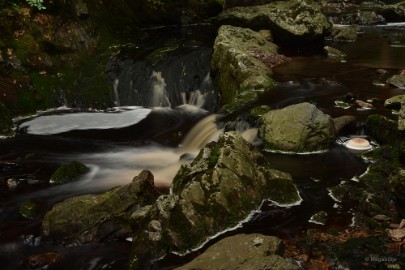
139,138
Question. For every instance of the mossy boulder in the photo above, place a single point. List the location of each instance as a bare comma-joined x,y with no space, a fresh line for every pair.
248,251
382,129
68,172
297,128
96,218
239,74
398,102
226,182
291,22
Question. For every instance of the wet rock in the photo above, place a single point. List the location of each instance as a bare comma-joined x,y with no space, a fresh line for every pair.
335,53
243,251
241,76
290,21
369,18
398,103
319,218
93,218
226,182
397,80
297,128
393,12
345,33
68,172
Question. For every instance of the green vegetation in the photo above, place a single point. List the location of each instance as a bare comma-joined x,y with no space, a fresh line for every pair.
38,4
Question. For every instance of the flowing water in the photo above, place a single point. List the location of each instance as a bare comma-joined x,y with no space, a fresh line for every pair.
165,113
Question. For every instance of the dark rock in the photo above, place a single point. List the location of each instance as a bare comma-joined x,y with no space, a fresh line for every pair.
382,129
297,128
243,251
343,121
30,209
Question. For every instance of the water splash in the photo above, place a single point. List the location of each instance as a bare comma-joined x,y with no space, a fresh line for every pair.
116,95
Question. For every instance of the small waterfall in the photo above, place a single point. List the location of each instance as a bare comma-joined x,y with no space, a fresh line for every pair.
158,88
116,95
204,132
195,98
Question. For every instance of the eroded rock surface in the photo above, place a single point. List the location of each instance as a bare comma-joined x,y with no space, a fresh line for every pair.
223,185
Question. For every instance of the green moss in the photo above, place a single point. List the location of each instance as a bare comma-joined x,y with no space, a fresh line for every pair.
382,129
283,191
29,209
161,54
68,172
214,155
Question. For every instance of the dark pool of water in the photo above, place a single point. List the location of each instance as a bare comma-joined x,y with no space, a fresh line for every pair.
31,159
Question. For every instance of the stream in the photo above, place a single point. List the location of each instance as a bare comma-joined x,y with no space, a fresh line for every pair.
165,111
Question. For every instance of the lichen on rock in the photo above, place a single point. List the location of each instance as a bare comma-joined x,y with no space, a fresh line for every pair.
297,128
94,218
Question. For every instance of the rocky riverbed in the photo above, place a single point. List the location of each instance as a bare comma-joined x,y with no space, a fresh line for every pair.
285,87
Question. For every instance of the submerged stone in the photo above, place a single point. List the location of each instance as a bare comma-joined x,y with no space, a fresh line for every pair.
297,128
68,172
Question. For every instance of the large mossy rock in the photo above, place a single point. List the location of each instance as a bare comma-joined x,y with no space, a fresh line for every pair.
297,128
290,21
243,251
94,218
222,186
238,73
398,102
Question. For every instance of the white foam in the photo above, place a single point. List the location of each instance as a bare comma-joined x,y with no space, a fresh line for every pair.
58,123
